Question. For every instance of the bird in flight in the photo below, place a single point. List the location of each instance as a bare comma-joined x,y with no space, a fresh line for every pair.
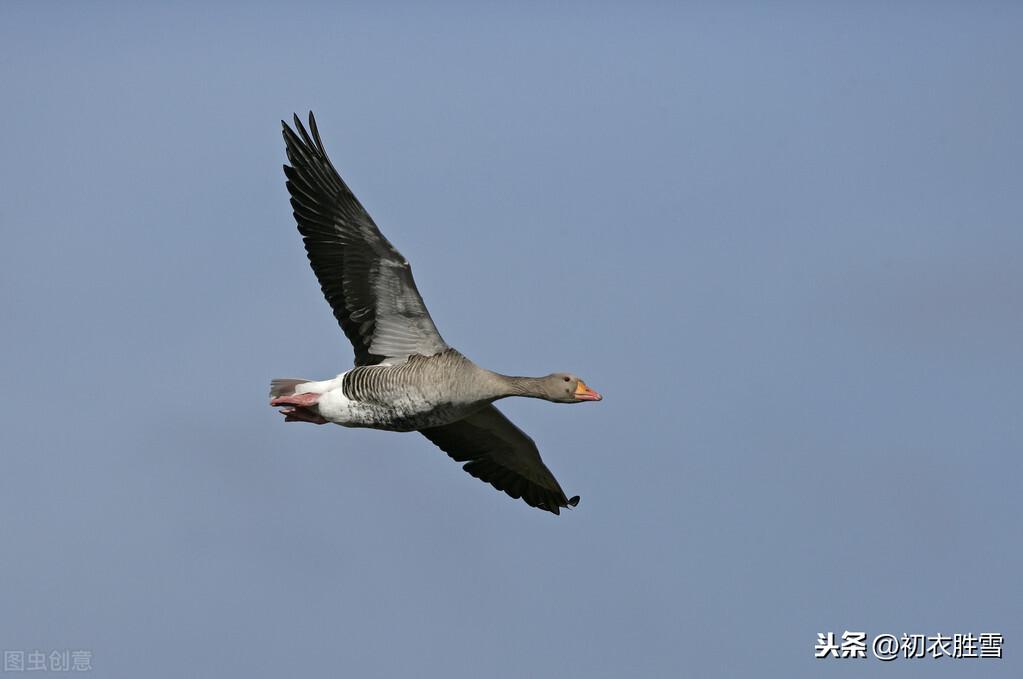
406,378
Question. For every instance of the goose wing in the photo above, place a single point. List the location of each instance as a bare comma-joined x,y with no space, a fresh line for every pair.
366,281
496,451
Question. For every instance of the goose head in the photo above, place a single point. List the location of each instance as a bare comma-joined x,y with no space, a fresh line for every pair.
566,388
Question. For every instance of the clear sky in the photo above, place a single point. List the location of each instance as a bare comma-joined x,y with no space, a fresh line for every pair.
785,243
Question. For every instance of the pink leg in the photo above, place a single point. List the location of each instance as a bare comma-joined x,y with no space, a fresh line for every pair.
301,415
302,400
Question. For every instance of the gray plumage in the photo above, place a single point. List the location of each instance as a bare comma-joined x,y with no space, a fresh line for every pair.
406,377
366,281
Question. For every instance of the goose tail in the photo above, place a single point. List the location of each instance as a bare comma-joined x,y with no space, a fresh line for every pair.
284,386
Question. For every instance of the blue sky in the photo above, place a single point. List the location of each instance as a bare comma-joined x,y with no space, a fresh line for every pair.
784,242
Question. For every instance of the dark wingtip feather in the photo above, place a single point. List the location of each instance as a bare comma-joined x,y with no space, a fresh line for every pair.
306,139
316,134
574,501
290,138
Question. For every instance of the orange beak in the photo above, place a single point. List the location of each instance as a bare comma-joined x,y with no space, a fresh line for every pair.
584,393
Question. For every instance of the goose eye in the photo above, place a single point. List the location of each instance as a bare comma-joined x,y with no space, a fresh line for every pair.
566,379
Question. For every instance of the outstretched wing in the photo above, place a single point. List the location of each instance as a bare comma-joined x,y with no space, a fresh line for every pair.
366,281
496,451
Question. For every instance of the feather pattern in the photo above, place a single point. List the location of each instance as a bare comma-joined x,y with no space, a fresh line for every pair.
424,391
366,281
496,451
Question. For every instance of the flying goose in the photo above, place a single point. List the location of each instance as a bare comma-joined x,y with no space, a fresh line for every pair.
406,378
